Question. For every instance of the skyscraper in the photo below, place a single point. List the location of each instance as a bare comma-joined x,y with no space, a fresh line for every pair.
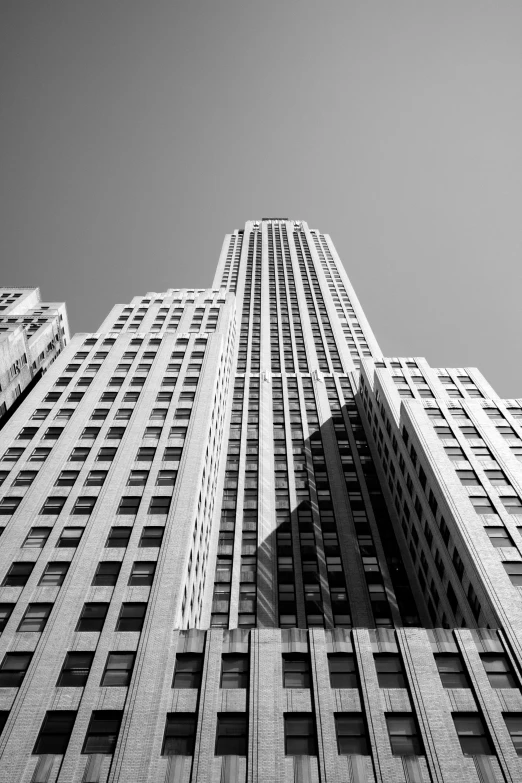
240,544
32,334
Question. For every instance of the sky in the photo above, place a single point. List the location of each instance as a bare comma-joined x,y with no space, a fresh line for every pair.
134,135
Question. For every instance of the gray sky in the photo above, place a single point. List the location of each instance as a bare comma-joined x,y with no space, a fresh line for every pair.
134,135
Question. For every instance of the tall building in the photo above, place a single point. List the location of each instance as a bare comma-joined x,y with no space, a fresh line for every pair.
32,334
241,545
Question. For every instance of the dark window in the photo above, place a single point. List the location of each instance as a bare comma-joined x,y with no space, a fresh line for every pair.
53,506
9,505
166,478
75,670
514,726
300,737
131,617
151,536
499,537
92,617
129,504
54,574
234,670
390,673
25,478
79,454
55,733
106,454
231,734
187,673
13,669
5,614
472,734
103,731
146,454
451,670
142,573
138,478
35,618
118,669
66,478
159,504
118,537
107,573
4,714
296,670
96,478
70,537
180,734
343,673
499,671
404,735
352,739
18,575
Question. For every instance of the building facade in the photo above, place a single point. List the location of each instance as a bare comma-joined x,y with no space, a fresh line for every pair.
239,544
32,334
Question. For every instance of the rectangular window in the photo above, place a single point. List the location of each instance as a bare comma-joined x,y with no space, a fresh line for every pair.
9,505
95,478
84,506
103,731
54,574
118,537
107,573
106,454
514,571
118,670
404,736
390,673
66,478
231,734
180,734
151,536
35,618
472,734
53,506
235,670
187,674
452,671
55,732
129,504
499,671
13,669
132,616
146,454
343,673
5,613
352,738
75,670
79,454
142,573
37,537
70,537
514,726
296,670
159,504
92,617
138,478
300,736
18,575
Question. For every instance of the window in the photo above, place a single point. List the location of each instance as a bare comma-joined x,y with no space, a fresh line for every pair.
514,571
115,433
187,673
482,505
129,504
75,670
55,732
497,478
231,734
52,433
404,736
25,478
107,573
166,478
13,669
118,537
234,670
132,616
106,454
352,739
343,673
9,505
172,454
83,506
498,669
455,454
118,670
514,726
79,454
53,506
96,478
151,536
37,537
300,737
472,734
159,504
92,617
142,573
390,673
35,618
5,614
451,670
146,453
513,505
180,734
469,478
138,478
103,731
18,575
66,478
54,574
499,537
70,537
14,453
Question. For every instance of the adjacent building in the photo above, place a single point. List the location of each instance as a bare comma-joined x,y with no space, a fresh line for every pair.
32,334
240,544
